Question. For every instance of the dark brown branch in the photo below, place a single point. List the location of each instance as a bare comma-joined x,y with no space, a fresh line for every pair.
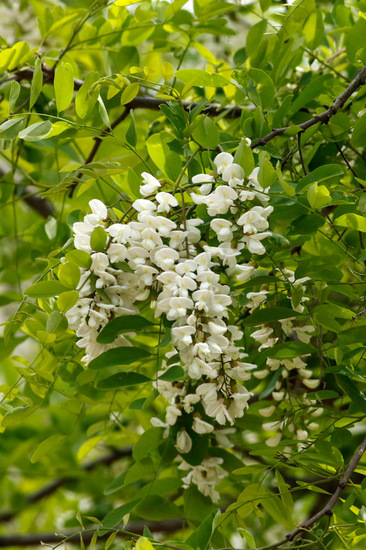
35,539
51,487
39,204
324,117
328,508
141,102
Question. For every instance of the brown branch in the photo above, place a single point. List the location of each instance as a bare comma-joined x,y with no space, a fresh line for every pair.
323,117
39,204
141,102
35,539
51,487
328,508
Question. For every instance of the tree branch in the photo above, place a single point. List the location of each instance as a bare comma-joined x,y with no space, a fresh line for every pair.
35,539
140,102
51,487
324,117
328,508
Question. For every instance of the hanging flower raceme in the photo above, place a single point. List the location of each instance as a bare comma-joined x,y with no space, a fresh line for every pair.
188,268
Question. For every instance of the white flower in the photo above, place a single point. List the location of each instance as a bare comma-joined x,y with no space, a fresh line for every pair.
262,335
274,441
151,184
223,229
234,175
99,209
116,253
121,233
183,334
165,257
222,160
252,222
100,262
253,242
201,427
144,205
166,201
172,414
203,178
189,400
184,442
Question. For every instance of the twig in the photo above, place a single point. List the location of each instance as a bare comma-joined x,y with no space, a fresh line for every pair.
137,528
97,144
328,508
345,159
51,487
143,102
300,153
323,117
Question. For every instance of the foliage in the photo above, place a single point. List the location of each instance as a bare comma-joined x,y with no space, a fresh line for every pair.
182,271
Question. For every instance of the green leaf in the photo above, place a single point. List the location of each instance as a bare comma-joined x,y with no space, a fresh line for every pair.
199,77
122,379
310,92
79,257
255,36
328,173
124,323
156,508
318,196
205,132
165,159
357,397
314,30
288,350
201,537
69,275
118,356
64,85
352,221
270,314
116,484
10,128
98,239
87,96
18,414
13,95
37,131
174,373
115,517
45,289
103,112
131,136
67,300
244,157
264,87
45,447
130,92
37,82
147,442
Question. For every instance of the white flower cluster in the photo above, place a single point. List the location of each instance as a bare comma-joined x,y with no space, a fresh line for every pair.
185,267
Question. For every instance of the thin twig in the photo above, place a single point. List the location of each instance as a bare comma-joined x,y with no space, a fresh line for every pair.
345,159
323,117
97,144
328,508
137,528
301,155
